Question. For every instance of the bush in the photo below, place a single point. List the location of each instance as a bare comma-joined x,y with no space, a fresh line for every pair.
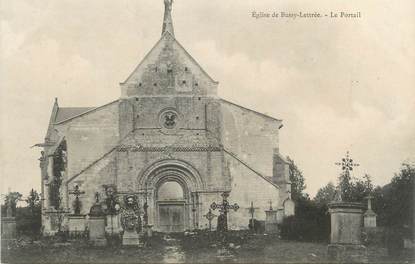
311,223
28,221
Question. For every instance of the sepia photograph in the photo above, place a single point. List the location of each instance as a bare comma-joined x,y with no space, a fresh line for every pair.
191,131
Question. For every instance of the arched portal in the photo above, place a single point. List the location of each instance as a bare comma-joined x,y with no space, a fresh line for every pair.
171,207
170,185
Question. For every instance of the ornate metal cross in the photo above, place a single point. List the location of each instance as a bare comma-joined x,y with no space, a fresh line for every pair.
210,216
225,206
77,203
347,163
270,205
252,210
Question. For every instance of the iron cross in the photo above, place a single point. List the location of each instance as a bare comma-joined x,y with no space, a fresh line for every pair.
77,204
210,216
225,206
252,210
347,163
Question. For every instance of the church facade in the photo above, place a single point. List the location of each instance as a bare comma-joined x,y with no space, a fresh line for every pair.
170,141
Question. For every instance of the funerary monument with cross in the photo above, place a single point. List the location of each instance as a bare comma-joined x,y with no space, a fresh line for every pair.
169,141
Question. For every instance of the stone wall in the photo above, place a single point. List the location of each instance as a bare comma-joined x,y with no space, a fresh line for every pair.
90,136
251,136
168,69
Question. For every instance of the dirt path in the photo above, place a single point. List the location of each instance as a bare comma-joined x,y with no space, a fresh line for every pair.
173,252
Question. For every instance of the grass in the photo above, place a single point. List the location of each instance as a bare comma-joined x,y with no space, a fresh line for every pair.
240,247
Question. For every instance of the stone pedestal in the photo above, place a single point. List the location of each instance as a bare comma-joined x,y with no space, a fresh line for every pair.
148,229
347,253
369,218
346,232
76,226
130,238
289,207
280,215
113,226
97,230
8,228
271,222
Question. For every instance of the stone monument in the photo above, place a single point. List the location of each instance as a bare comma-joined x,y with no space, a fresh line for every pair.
97,224
111,209
8,223
130,221
346,226
280,215
369,218
271,220
76,221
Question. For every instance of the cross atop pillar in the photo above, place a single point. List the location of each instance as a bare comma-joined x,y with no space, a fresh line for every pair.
77,203
347,164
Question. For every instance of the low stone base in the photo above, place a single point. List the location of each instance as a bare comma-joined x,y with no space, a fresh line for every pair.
347,253
130,238
8,228
97,231
98,242
148,230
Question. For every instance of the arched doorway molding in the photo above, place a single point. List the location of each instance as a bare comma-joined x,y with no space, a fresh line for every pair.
176,170
160,211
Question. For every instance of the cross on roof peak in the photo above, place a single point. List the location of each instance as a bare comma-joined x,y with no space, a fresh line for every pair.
167,20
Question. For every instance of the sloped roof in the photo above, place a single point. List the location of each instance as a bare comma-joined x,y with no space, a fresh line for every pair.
250,110
65,113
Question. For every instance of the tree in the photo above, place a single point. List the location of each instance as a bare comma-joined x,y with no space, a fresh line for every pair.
10,201
33,201
355,189
297,180
398,199
29,218
325,194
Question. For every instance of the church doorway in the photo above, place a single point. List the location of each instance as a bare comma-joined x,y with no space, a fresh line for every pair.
171,207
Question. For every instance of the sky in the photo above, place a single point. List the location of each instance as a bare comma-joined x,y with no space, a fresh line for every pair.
339,84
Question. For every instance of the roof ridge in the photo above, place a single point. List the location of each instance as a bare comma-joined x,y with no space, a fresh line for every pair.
262,114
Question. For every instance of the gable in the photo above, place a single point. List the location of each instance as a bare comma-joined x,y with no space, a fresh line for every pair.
168,69
65,113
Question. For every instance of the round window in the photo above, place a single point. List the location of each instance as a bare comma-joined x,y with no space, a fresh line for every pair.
169,119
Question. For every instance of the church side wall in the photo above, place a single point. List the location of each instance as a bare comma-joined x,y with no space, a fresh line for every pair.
88,138
252,137
93,180
248,187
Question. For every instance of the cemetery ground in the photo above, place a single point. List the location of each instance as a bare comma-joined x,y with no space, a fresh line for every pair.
204,247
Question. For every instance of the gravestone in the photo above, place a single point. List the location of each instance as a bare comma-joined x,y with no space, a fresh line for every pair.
130,221
97,230
113,227
97,224
346,231
8,228
289,207
280,215
271,222
76,226
369,218
8,223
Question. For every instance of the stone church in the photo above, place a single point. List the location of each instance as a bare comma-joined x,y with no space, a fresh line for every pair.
170,141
